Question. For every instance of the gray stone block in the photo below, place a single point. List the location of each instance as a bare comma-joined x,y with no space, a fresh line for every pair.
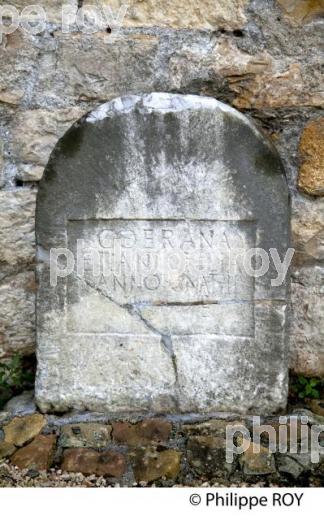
165,190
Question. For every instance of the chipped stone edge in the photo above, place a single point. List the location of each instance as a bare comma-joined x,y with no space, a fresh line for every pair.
164,103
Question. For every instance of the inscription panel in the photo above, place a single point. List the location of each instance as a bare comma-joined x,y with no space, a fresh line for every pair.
163,261
167,264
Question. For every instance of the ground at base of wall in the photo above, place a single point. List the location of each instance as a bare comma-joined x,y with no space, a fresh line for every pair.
11,477
98,450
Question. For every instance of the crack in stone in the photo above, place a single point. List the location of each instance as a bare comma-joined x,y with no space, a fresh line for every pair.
134,310
166,342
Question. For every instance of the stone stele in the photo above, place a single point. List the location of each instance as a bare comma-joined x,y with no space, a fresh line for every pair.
158,198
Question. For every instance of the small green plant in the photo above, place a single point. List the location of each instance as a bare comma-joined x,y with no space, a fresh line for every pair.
305,387
14,378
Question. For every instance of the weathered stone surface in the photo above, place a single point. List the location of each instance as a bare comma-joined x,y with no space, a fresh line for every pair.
142,433
23,404
22,429
199,14
257,460
91,69
302,11
11,98
88,435
317,406
289,466
18,59
17,314
37,455
298,463
139,62
206,455
271,66
193,459
308,230
17,229
30,172
4,416
1,164
6,449
52,8
150,465
311,151
275,89
90,462
311,417
259,75
43,128
296,428
257,80
215,427
306,337
155,344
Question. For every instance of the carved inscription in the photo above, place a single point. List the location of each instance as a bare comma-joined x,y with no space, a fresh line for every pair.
163,261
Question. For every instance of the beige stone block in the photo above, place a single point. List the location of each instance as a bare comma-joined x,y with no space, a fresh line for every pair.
311,152
52,8
17,227
41,131
17,315
302,11
193,14
22,429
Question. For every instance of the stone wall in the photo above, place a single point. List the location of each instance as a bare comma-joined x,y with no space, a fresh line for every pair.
98,450
262,57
